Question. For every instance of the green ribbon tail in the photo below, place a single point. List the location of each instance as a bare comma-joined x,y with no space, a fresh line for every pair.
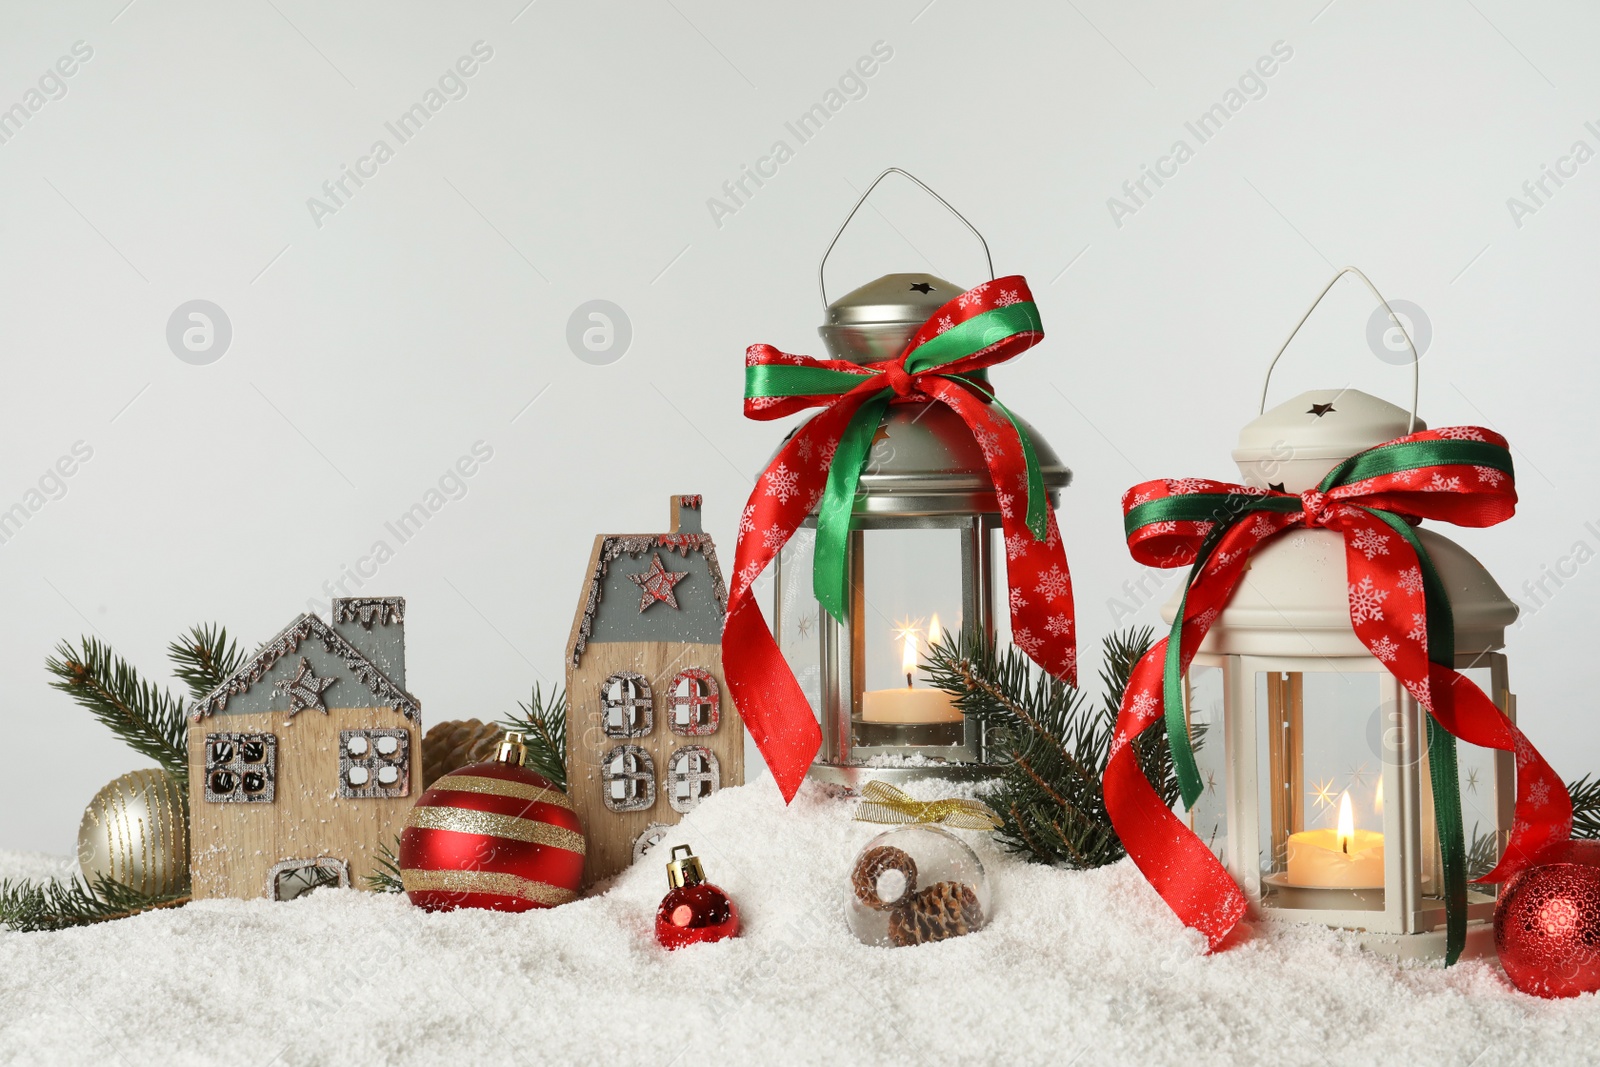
1452,843
829,579
1442,769
1184,767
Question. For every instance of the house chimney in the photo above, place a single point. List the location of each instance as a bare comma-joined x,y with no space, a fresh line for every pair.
686,514
376,626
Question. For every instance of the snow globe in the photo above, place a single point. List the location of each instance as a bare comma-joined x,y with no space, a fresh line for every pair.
916,884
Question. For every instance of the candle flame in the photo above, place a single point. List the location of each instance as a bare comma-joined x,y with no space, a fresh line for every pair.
908,654
1377,798
933,629
1347,822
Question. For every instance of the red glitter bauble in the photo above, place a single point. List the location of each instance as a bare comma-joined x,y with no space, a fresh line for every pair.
493,835
692,914
1547,928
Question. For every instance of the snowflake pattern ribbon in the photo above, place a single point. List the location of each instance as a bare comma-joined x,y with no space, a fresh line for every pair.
1400,611
819,468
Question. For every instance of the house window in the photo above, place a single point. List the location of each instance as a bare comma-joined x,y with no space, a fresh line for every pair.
374,763
628,778
295,878
241,768
692,703
626,705
692,775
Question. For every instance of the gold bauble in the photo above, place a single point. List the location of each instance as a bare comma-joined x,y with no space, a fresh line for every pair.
136,831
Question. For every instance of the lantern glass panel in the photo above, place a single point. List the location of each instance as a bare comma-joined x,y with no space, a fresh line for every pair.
1480,802
798,616
911,581
1320,771
1204,695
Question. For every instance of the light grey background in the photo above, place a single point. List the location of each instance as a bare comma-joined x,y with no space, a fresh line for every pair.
430,311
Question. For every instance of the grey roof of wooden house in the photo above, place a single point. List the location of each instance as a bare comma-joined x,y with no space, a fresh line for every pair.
363,650
611,604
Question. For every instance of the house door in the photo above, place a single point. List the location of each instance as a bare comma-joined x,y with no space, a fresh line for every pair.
293,878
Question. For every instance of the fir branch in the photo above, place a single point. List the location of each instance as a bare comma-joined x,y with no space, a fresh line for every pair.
385,878
543,725
1585,795
1482,855
33,906
1050,744
150,721
204,658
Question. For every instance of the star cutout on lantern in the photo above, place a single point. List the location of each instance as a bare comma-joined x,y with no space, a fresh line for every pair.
1320,410
1472,779
656,583
1322,793
1276,487
922,287
305,689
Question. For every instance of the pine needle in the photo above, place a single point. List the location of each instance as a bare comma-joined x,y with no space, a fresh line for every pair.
150,721
385,878
544,728
204,658
33,906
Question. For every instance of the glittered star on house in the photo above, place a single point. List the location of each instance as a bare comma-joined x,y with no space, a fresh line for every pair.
1319,410
656,583
305,689
922,287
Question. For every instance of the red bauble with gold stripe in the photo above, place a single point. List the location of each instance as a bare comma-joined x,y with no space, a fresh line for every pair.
493,835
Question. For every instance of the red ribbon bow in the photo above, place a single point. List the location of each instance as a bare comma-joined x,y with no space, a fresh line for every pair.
982,327
1388,609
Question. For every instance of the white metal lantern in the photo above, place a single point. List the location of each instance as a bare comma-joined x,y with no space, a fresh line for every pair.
1308,745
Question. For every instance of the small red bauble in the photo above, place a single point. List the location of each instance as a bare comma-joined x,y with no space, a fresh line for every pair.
1547,926
693,910
493,835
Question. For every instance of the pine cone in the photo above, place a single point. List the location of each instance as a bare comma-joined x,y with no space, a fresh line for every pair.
449,746
944,909
872,864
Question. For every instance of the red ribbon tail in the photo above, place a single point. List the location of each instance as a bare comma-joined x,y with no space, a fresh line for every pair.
775,711
1183,870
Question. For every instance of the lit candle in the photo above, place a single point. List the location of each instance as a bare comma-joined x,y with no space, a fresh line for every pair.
1340,858
909,705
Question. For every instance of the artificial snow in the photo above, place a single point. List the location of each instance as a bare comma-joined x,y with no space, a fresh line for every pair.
1076,968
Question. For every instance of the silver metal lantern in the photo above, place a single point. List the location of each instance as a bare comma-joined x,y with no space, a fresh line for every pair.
1308,742
925,559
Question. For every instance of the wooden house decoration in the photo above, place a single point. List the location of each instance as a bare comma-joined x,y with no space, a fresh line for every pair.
305,762
651,731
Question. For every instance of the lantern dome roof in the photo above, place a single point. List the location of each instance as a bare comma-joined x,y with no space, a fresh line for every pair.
1295,444
873,323
924,461
1294,600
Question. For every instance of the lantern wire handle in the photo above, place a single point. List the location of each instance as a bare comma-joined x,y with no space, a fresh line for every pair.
822,285
1415,358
